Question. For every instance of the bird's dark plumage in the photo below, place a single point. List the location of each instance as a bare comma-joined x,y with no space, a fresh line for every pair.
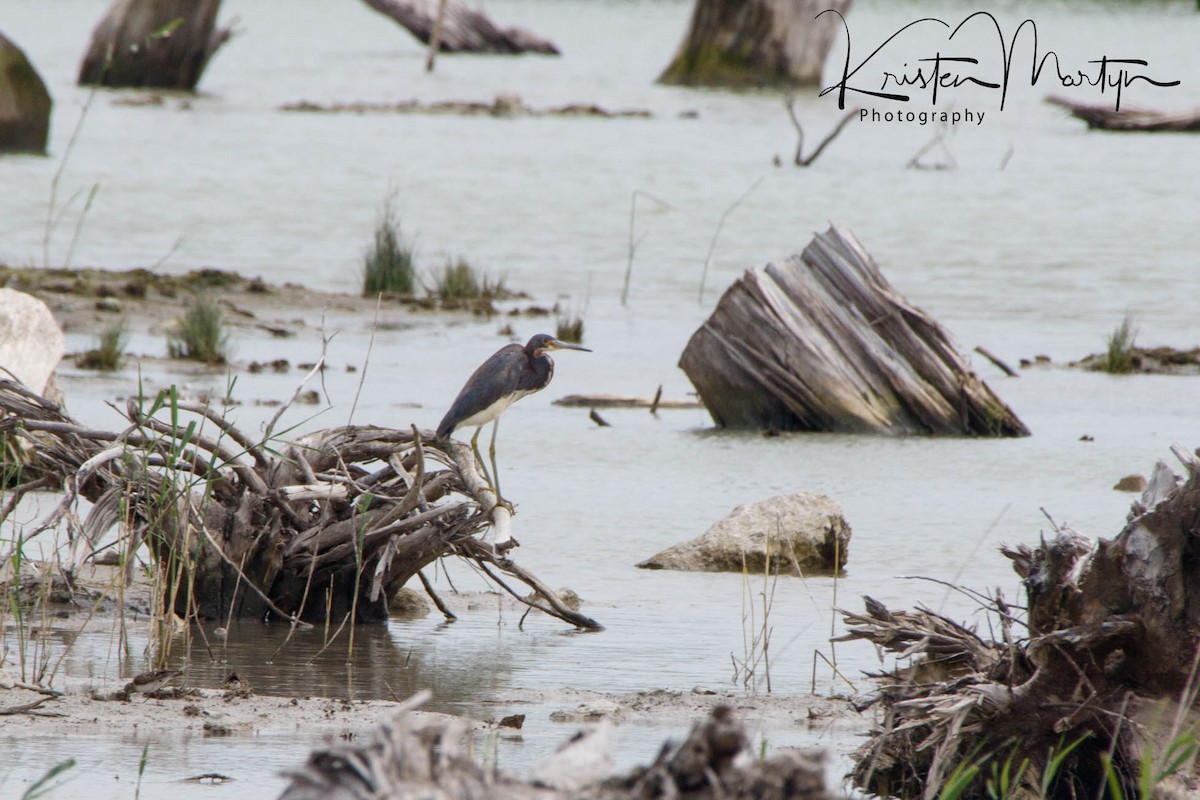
512,372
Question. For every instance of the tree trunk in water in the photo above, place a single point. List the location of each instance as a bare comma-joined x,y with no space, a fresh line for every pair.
462,29
162,44
24,103
742,43
822,342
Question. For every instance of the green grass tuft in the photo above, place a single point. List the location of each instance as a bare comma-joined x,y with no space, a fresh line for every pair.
390,264
200,334
569,328
1118,358
109,350
460,282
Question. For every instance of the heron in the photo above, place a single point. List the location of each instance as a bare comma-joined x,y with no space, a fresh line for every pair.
509,374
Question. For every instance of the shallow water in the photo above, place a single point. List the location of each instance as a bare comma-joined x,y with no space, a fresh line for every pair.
1043,256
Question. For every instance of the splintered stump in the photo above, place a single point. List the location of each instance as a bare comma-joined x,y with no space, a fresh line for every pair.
459,28
742,43
325,528
1106,666
1131,119
161,44
822,342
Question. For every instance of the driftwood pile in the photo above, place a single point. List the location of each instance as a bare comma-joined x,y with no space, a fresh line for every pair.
415,757
325,528
458,28
161,44
1130,119
822,342
1096,682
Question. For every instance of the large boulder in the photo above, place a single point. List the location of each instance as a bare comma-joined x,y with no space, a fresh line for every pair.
24,103
797,530
31,343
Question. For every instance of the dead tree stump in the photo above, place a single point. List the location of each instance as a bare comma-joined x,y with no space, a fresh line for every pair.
24,103
161,44
325,528
461,29
1107,669
743,43
822,342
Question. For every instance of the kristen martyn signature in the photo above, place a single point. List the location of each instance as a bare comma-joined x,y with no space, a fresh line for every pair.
942,71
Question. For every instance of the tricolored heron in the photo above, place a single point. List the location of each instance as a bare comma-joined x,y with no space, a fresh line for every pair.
511,373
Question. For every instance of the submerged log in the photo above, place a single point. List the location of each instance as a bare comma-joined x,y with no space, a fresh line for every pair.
460,28
24,103
418,756
822,342
742,43
325,528
1108,665
163,44
1130,119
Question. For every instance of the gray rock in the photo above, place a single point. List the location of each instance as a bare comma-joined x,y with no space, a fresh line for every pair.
24,103
31,343
803,529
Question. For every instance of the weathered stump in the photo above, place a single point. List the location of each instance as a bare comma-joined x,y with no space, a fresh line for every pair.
1105,676
744,43
325,528
822,342
1130,119
24,103
162,44
461,29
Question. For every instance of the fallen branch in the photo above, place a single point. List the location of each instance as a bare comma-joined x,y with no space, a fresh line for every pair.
799,159
1130,120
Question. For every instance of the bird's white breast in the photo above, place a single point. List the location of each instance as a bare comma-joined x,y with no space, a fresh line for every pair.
491,412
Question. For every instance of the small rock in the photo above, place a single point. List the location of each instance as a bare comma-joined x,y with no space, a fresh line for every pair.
408,603
803,529
512,721
1131,483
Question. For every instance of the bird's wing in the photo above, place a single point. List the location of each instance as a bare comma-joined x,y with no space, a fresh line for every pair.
495,378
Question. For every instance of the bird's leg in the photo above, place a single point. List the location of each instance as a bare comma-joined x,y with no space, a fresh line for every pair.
479,456
492,455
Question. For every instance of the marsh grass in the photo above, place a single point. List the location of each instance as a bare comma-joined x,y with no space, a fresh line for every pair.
390,263
106,356
200,334
569,328
1118,356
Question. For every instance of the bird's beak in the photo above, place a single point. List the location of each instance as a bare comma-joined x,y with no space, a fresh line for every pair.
555,344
